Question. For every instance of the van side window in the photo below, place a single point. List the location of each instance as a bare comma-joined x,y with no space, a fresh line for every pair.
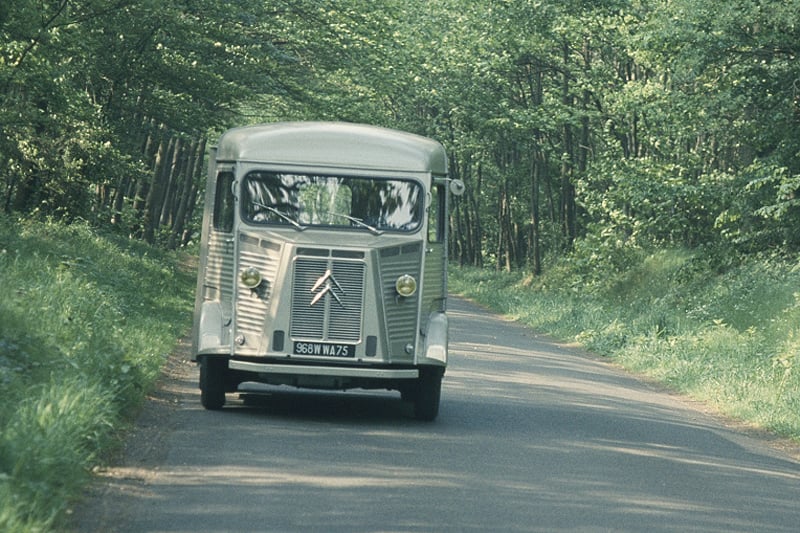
436,217
223,203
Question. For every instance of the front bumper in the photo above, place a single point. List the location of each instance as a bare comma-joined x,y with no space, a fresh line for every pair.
327,371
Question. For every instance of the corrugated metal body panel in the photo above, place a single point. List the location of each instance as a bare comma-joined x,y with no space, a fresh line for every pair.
219,267
401,313
433,296
252,305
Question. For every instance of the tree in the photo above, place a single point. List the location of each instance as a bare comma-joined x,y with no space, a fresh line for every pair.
639,122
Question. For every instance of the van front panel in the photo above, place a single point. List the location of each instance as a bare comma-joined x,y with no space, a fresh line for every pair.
337,303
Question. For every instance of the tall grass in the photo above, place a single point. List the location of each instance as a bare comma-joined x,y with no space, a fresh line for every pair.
85,324
727,333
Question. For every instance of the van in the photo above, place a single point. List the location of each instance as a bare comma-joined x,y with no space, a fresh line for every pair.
323,262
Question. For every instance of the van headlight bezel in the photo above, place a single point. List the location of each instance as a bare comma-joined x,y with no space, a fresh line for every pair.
250,277
406,285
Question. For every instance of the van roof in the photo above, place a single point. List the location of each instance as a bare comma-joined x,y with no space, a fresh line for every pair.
333,144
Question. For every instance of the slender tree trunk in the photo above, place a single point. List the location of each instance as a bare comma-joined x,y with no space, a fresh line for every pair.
535,237
156,192
567,161
188,195
538,169
171,174
119,200
477,229
143,184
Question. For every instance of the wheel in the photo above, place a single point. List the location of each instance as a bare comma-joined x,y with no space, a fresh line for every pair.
408,392
428,393
213,373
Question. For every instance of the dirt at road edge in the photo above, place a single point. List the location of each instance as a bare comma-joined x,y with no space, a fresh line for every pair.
144,448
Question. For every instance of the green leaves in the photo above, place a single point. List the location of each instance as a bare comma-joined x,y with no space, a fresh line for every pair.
628,116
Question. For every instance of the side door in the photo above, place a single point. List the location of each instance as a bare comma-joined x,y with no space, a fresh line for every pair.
434,290
214,304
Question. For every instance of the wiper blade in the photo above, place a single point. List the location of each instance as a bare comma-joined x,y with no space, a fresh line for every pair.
361,223
282,215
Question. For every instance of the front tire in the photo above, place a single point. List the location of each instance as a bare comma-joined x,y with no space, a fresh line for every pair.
213,375
428,394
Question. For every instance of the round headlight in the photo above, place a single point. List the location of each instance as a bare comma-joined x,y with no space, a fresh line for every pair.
250,278
406,285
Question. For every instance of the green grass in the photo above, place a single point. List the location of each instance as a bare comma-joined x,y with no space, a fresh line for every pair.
727,334
86,322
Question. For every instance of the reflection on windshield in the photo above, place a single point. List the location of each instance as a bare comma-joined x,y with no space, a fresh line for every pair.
302,200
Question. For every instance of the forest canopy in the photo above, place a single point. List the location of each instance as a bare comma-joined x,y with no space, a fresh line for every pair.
610,123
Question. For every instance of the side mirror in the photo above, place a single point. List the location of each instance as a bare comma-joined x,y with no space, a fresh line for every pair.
457,187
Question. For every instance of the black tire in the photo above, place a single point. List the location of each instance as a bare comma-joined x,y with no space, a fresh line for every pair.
428,393
213,374
408,392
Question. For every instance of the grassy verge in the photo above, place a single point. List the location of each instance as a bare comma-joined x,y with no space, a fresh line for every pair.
85,323
728,335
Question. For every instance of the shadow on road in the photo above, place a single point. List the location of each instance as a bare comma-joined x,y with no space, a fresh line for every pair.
531,436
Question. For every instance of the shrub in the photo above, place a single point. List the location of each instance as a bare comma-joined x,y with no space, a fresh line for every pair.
722,331
86,321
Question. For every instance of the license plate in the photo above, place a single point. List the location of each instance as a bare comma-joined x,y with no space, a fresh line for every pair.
324,349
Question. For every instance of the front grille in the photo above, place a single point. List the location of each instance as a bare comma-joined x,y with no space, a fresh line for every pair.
327,298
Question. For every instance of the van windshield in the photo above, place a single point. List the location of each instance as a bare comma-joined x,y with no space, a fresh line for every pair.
302,200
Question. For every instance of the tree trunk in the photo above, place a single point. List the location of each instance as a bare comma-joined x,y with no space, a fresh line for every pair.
156,193
171,177
188,195
537,167
567,161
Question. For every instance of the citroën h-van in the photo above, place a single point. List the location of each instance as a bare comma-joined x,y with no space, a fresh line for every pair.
323,262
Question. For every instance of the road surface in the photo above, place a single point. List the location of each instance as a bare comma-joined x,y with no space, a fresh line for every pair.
531,436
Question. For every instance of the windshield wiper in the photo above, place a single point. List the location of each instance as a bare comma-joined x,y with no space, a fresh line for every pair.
282,215
361,223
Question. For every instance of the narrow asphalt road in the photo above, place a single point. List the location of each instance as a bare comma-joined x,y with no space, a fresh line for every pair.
531,436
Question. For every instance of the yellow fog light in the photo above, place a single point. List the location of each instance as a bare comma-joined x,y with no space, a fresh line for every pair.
250,278
406,285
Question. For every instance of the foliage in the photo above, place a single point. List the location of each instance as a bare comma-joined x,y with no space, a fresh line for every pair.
672,123
85,323
101,118
724,332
